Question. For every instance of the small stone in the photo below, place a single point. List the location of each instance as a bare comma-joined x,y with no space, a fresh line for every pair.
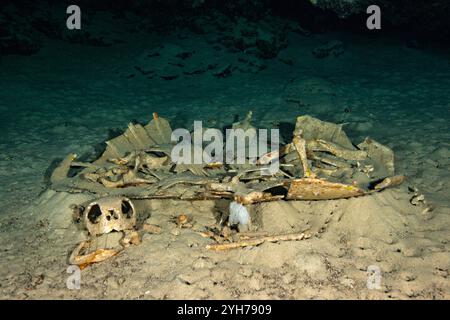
390,240
202,263
111,284
408,276
186,279
192,243
361,266
427,213
416,199
362,243
348,282
288,278
151,228
255,283
411,251
341,252
175,232
246,272
411,293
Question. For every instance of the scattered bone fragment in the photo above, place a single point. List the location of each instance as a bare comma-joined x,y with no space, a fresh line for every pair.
256,241
390,182
151,228
205,234
183,221
268,157
131,238
82,259
417,199
428,212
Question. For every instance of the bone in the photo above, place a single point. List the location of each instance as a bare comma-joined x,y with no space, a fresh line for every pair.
111,214
60,173
84,260
336,162
257,196
300,146
319,189
140,159
390,182
347,154
131,237
151,228
159,129
256,241
130,178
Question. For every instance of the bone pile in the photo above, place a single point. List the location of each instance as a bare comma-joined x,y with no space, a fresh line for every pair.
320,163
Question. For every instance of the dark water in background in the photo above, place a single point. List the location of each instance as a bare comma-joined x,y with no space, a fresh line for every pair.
70,97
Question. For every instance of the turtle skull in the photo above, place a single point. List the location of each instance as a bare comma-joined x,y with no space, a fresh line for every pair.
109,214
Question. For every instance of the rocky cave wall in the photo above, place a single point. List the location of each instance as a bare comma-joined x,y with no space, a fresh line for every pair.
25,23
422,16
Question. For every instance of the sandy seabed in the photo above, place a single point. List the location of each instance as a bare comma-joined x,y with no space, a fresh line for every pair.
70,98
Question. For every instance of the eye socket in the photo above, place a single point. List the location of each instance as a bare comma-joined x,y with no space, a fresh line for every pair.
127,209
94,214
